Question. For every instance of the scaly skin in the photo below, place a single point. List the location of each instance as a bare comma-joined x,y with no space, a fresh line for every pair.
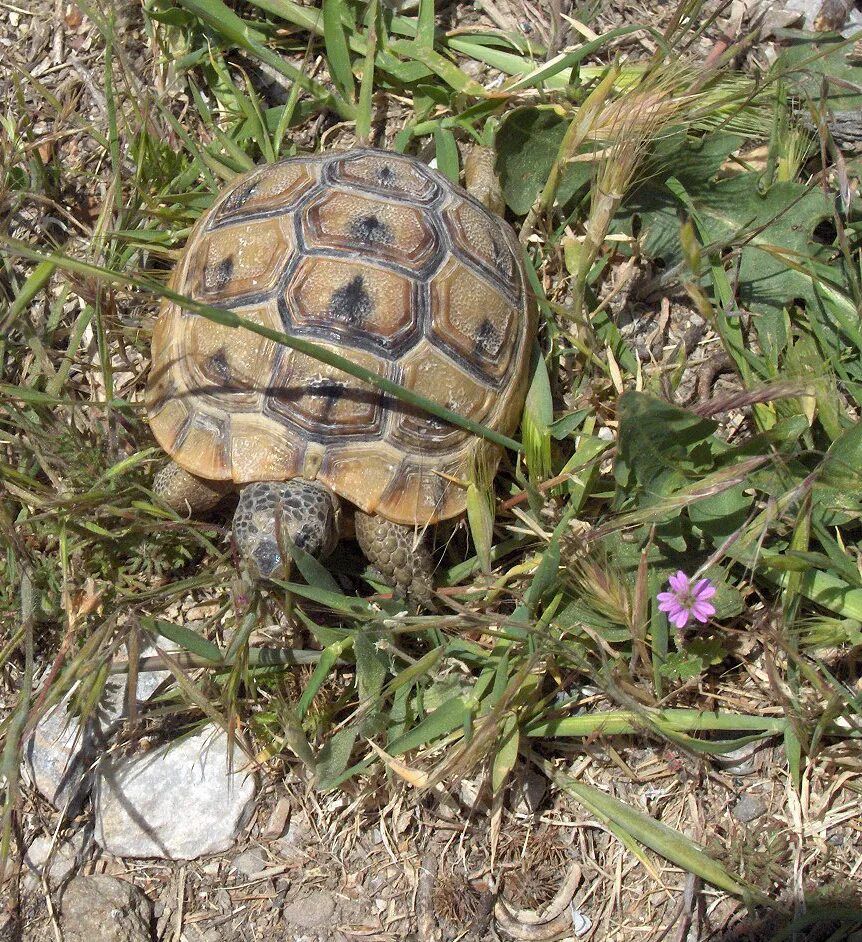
305,511
394,549
185,492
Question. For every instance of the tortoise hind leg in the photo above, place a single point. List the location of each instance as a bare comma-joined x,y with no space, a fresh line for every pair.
186,492
394,549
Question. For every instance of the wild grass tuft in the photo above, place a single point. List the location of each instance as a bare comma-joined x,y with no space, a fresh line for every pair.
694,404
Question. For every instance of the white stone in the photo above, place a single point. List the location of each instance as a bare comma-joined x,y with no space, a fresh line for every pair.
177,802
60,751
57,756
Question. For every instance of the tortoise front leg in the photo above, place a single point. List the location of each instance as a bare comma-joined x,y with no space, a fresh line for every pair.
402,558
269,512
186,492
481,180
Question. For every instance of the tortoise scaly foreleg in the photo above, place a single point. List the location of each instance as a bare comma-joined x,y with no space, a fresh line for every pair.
186,492
269,512
395,551
481,181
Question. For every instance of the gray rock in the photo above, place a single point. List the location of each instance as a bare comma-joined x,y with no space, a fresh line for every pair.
114,703
58,755
528,792
748,808
106,909
290,847
250,862
61,862
177,802
742,761
61,750
313,911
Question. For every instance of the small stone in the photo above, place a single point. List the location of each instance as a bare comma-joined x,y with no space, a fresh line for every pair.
60,863
314,911
748,808
291,847
177,802
278,818
57,757
250,862
528,792
742,761
114,703
105,908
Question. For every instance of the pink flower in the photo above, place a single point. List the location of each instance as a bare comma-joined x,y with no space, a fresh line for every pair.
684,600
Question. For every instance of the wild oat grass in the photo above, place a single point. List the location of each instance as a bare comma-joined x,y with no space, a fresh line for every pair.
549,650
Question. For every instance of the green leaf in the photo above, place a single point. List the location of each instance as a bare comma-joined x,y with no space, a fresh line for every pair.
527,144
658,444
337,53
671,844
773,232
506,754
721,514
535,425
446,718
447,153
371,669
334,756
184,637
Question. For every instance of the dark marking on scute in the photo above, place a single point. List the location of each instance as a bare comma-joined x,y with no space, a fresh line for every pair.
370,230
239,197
488,340
217,365
351,303
218,277
502,260
386,176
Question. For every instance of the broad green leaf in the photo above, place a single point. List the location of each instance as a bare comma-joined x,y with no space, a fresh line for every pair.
660,445
527,144
185,637
333,757
371,669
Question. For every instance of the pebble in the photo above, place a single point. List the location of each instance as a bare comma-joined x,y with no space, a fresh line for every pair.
103,908
277,823
742,761
748,808
177,802
314,911
250,862
60,863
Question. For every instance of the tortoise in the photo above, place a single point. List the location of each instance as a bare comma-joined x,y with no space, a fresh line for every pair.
378,257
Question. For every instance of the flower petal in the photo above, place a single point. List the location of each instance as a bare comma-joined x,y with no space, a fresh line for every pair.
704,590
679,582
666,596
680,619
669,605
702,611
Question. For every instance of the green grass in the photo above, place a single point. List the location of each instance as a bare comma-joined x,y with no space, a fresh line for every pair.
554,597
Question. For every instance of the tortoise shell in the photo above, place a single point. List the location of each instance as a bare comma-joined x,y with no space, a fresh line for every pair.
381,259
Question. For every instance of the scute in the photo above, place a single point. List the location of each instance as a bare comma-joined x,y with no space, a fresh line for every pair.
381,260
